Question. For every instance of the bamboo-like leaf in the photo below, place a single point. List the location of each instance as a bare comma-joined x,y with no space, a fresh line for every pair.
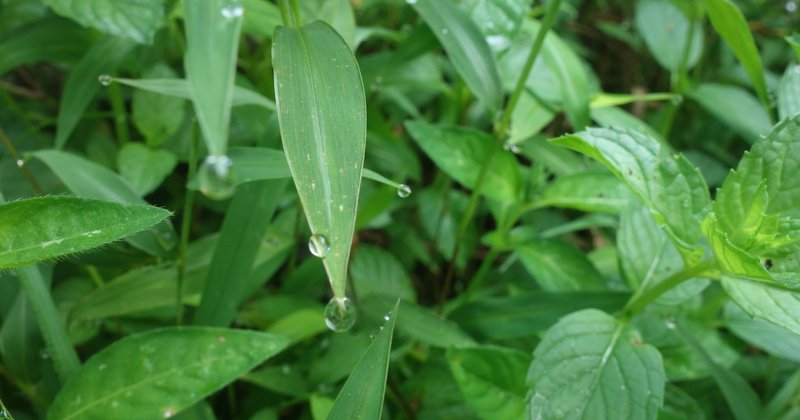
180,89
322,113
38,229
212,37
158,373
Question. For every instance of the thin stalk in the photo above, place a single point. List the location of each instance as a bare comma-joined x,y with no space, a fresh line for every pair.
298,18
120,115
186,227
65,359
290,13
500,132
645,296
20,163
28,390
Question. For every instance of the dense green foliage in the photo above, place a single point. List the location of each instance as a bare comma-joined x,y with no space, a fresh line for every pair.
422,209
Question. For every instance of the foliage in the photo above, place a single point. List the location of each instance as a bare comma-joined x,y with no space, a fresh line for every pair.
425,209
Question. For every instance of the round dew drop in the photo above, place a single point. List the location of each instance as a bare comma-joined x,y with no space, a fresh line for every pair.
319,245
216,178
340,314
104,79
403,191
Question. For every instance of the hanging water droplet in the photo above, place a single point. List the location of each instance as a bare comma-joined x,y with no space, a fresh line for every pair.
511,147
387,317
232,10
20,163
4,414
104,79
216,178
403,190
670,324
319,245
791,6
340,314
411,1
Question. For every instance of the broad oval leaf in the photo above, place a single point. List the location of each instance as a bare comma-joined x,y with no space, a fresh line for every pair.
137,20
322,113
666,30
460,153
735,107
38,229
466,48
589,191
158,373
591,366
559,267
361,397
774,339
762,301
144,168
669,186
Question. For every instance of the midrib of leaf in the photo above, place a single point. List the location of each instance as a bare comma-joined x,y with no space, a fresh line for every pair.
603,362
56,241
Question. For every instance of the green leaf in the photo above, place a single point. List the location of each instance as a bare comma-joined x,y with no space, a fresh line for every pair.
589,191
180,89
322,113
212,38
789,92
156,116
374,271
460,152
774,339
145,169
418,323
260,18
731,25
90,180
361,397
136,20
466,48
82,85
53,39
158,373
735,107
38,229
762,301
492,379
669,186
666,31
559,267
591,366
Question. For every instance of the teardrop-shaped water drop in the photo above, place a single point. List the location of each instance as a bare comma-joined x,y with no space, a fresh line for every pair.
232,12
319,245
340,314
403,191
511,147
104,79
215,177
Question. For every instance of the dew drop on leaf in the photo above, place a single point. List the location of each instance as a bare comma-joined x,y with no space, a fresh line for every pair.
340,314
319,245
403,191
104,79
511,147
215,177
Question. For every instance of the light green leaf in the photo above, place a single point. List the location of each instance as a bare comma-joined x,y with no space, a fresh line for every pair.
157,116
361,397
558,267
591,366
460,152
144,168
212,37
322,113
669,186
136,20
731,25
735,107
466,48
666,30
38,229
158,373
90,180
492,379
260,18
82,85
789,92
774,339
180,89
52,39
374,271
589,191
762,301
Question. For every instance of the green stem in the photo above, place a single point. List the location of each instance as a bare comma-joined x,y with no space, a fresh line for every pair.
290,13
186,227
298,18
23,168
65,359
644,296
120,115
4,413
500,133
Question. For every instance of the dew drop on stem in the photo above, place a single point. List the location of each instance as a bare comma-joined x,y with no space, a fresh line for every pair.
216,178
340,314
319,246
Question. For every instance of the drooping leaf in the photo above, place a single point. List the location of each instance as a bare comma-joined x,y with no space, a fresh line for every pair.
460,152
158,373
136,20
735,107
466,48
38,229
492,379
591,366
322,112
361,397
670,187
731,25
558,267
666,29
212,38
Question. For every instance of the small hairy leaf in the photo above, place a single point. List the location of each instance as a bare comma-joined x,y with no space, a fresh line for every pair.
38,229
160,372
133,19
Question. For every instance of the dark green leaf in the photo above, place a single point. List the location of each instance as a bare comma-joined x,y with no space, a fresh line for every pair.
137,20
47,39
558,267
735,107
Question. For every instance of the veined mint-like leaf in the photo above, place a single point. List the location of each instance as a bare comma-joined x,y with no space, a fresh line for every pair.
789,92
134,19
669,186
38,229
778,306
591,366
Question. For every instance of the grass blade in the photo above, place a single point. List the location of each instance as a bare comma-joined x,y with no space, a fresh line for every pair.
180,89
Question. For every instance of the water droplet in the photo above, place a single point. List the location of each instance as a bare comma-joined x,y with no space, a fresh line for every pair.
791,6
677,100
232,10
445,31
670,324
169,412
411,1
622,387
511,147
104,79
20,163
403,191
387,317
44,354
286,369
215,177
498,42
340,314
797,69
4,414
319,245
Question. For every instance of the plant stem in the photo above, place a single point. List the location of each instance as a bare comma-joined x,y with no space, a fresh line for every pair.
186,227
290,13
65,359
644,296
4,411
24,169
500,132
120,114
